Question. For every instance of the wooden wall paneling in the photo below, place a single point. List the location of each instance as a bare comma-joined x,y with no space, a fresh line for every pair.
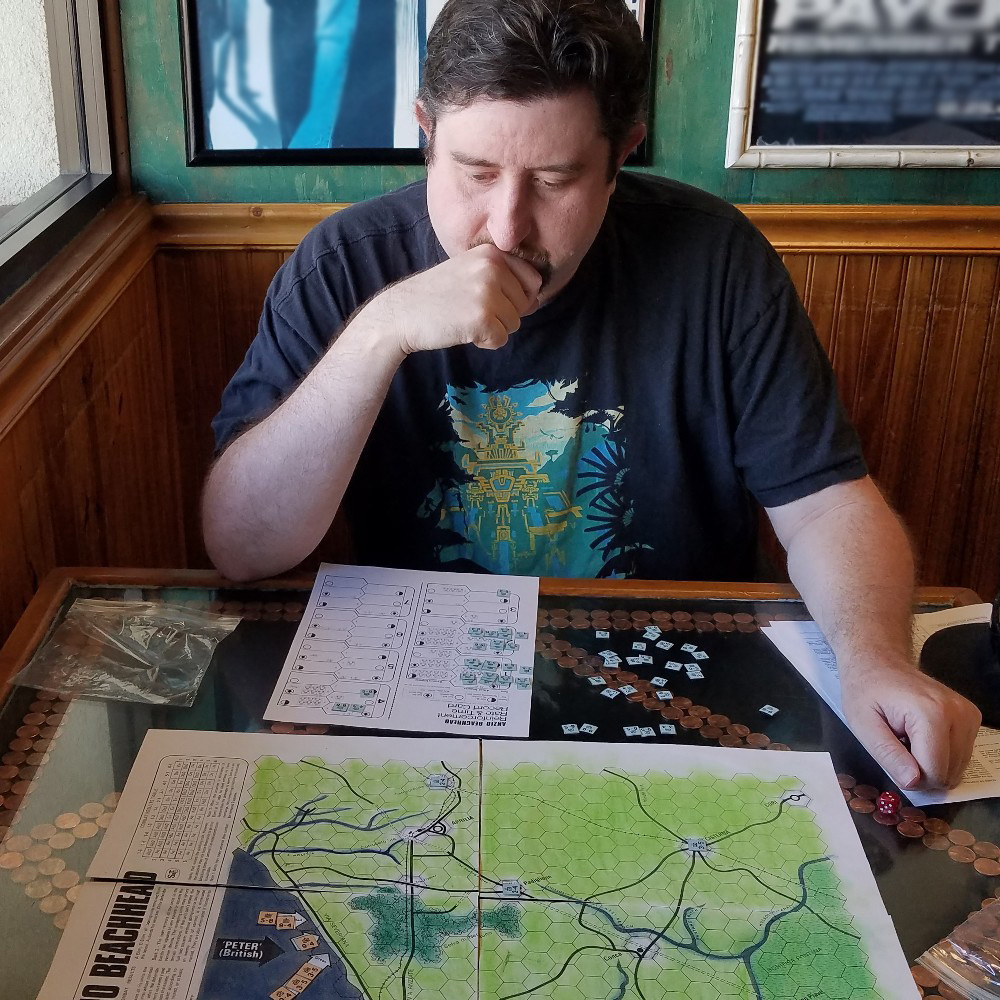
17,580
924,438
193,344
978,558
799,266
33,487
112,416
849,326
914,304
965,313
209,302
139,455
72,477
138,406
76,445
199,356
822,297
875,354
45,320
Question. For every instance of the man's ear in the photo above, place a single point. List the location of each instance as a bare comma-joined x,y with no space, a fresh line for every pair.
425,121
635,135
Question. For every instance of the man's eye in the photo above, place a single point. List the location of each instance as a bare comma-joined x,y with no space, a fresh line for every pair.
482,178
552,185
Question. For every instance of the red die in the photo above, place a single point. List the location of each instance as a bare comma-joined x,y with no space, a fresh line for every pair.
888,803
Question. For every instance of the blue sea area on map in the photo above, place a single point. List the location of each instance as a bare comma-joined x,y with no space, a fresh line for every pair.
228,979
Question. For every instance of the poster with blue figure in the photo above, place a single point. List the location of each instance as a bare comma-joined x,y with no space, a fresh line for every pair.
306,74
294,81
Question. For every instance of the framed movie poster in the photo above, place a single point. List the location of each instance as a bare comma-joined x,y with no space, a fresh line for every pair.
309,81
866,83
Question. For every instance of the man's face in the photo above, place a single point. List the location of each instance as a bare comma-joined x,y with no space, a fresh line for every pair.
530,178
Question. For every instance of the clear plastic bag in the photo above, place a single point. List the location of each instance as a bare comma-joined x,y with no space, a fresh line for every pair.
967,962
139,651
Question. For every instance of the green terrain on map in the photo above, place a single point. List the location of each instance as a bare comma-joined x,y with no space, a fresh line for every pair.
559,883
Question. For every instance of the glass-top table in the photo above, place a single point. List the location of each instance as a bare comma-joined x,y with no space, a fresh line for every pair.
65,761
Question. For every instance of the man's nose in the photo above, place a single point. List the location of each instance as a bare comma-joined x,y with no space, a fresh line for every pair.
509,222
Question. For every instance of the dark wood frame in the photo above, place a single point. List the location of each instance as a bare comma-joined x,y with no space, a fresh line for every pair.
33,625
194,122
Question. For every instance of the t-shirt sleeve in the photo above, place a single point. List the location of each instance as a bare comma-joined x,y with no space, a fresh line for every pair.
280,356
792,436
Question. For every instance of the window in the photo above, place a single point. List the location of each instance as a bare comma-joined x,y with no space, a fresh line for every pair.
55,158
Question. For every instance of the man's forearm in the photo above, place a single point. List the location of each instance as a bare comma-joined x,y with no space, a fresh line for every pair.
273,493
851,560
853,565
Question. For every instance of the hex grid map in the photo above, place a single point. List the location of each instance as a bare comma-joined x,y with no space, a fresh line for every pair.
385,857
508,880
657,886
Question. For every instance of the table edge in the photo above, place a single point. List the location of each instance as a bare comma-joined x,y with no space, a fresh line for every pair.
31,628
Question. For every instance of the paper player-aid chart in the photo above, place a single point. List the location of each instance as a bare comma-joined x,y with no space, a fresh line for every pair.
415,651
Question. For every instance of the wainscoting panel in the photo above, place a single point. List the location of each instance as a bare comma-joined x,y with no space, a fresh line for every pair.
88,448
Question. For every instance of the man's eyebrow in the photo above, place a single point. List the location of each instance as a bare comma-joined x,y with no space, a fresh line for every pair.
551,168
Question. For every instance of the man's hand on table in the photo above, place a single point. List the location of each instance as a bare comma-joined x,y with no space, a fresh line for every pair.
477,297
884,702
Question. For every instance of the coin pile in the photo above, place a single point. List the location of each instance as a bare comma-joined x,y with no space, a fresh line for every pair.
31,862
286,728
28,752
972,950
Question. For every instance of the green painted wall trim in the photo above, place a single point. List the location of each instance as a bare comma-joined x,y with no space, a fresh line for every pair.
691,101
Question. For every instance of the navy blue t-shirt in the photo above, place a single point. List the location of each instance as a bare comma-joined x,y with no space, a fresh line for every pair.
625,430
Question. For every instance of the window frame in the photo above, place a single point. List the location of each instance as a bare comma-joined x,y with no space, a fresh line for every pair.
33,231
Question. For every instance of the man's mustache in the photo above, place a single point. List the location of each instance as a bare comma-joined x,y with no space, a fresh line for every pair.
538,259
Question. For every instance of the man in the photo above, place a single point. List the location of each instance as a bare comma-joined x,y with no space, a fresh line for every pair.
535,365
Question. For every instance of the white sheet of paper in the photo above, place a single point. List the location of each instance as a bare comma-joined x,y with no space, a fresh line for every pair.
413,651
226,846
805,647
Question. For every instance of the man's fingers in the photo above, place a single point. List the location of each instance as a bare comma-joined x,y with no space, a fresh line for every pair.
964,730
518,286
528,277
493,336
883,744
931,747
942,740
958,758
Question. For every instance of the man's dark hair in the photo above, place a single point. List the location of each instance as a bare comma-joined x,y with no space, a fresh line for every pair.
523,50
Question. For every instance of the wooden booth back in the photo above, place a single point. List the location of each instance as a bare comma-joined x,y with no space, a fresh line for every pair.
113,360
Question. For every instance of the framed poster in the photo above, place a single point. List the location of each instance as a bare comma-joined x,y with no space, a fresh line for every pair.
865,83
310,81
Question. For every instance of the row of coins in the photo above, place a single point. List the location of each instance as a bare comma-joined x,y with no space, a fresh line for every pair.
914,824
269,611
32,861
31,858
28,752
666,621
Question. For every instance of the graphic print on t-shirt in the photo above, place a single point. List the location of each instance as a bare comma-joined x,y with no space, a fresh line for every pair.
542,491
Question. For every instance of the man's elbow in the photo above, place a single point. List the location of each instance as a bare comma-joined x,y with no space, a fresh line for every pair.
233,567
227,549
238,556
